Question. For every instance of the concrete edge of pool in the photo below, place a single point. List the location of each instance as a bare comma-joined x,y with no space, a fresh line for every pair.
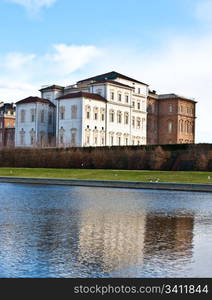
111,184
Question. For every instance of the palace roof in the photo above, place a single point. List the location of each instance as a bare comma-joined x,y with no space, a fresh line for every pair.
51,87
83,95
111,76
35,100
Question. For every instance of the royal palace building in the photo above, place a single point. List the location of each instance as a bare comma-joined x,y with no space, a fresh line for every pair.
106,110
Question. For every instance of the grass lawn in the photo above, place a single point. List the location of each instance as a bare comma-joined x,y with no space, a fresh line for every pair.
128,175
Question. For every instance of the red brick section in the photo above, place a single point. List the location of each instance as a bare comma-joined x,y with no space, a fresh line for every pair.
7,125
171,119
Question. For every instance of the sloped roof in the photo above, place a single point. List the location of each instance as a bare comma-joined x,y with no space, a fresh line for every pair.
113,82
111,76
175,96
52,87
83,94
32,99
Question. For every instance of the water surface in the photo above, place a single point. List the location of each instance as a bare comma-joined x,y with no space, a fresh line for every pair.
56,231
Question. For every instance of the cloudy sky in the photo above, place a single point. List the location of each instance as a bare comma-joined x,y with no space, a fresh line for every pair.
167,44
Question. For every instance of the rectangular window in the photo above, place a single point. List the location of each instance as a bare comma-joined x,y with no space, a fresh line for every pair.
119,118
119,97
23,115
170,127
22,138
139,90
112,96
103,117
73,137
127,99
126,119
139,105
50,118
111,117
112,140
32,140
95,116
74,112
138,123
88,115
42,116
32,115
99,91
62,115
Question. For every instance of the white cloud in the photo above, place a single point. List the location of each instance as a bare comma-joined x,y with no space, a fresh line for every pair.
68,59
182,66
25,73
33,6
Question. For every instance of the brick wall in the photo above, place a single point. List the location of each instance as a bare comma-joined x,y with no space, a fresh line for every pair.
174,118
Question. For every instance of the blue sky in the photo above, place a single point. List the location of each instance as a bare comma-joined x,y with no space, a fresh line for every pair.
166,43
93,22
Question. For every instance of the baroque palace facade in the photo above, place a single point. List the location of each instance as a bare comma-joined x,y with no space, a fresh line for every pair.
106,110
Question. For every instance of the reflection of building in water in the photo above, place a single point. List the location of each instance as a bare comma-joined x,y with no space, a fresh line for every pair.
169,236
112,241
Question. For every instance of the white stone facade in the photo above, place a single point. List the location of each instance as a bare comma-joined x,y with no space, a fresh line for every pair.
106,110
35,124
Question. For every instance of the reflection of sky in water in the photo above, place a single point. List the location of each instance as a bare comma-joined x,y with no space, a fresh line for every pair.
54,231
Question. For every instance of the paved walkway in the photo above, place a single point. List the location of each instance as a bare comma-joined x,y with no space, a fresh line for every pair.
111,184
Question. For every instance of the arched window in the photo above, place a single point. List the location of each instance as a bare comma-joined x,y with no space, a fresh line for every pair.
32,136
111,115
42,138
119,117
170,108
111,134
88,111
126,118
170,126
138,120
102,111
62,133
73,137
119,138
95,113
22,137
